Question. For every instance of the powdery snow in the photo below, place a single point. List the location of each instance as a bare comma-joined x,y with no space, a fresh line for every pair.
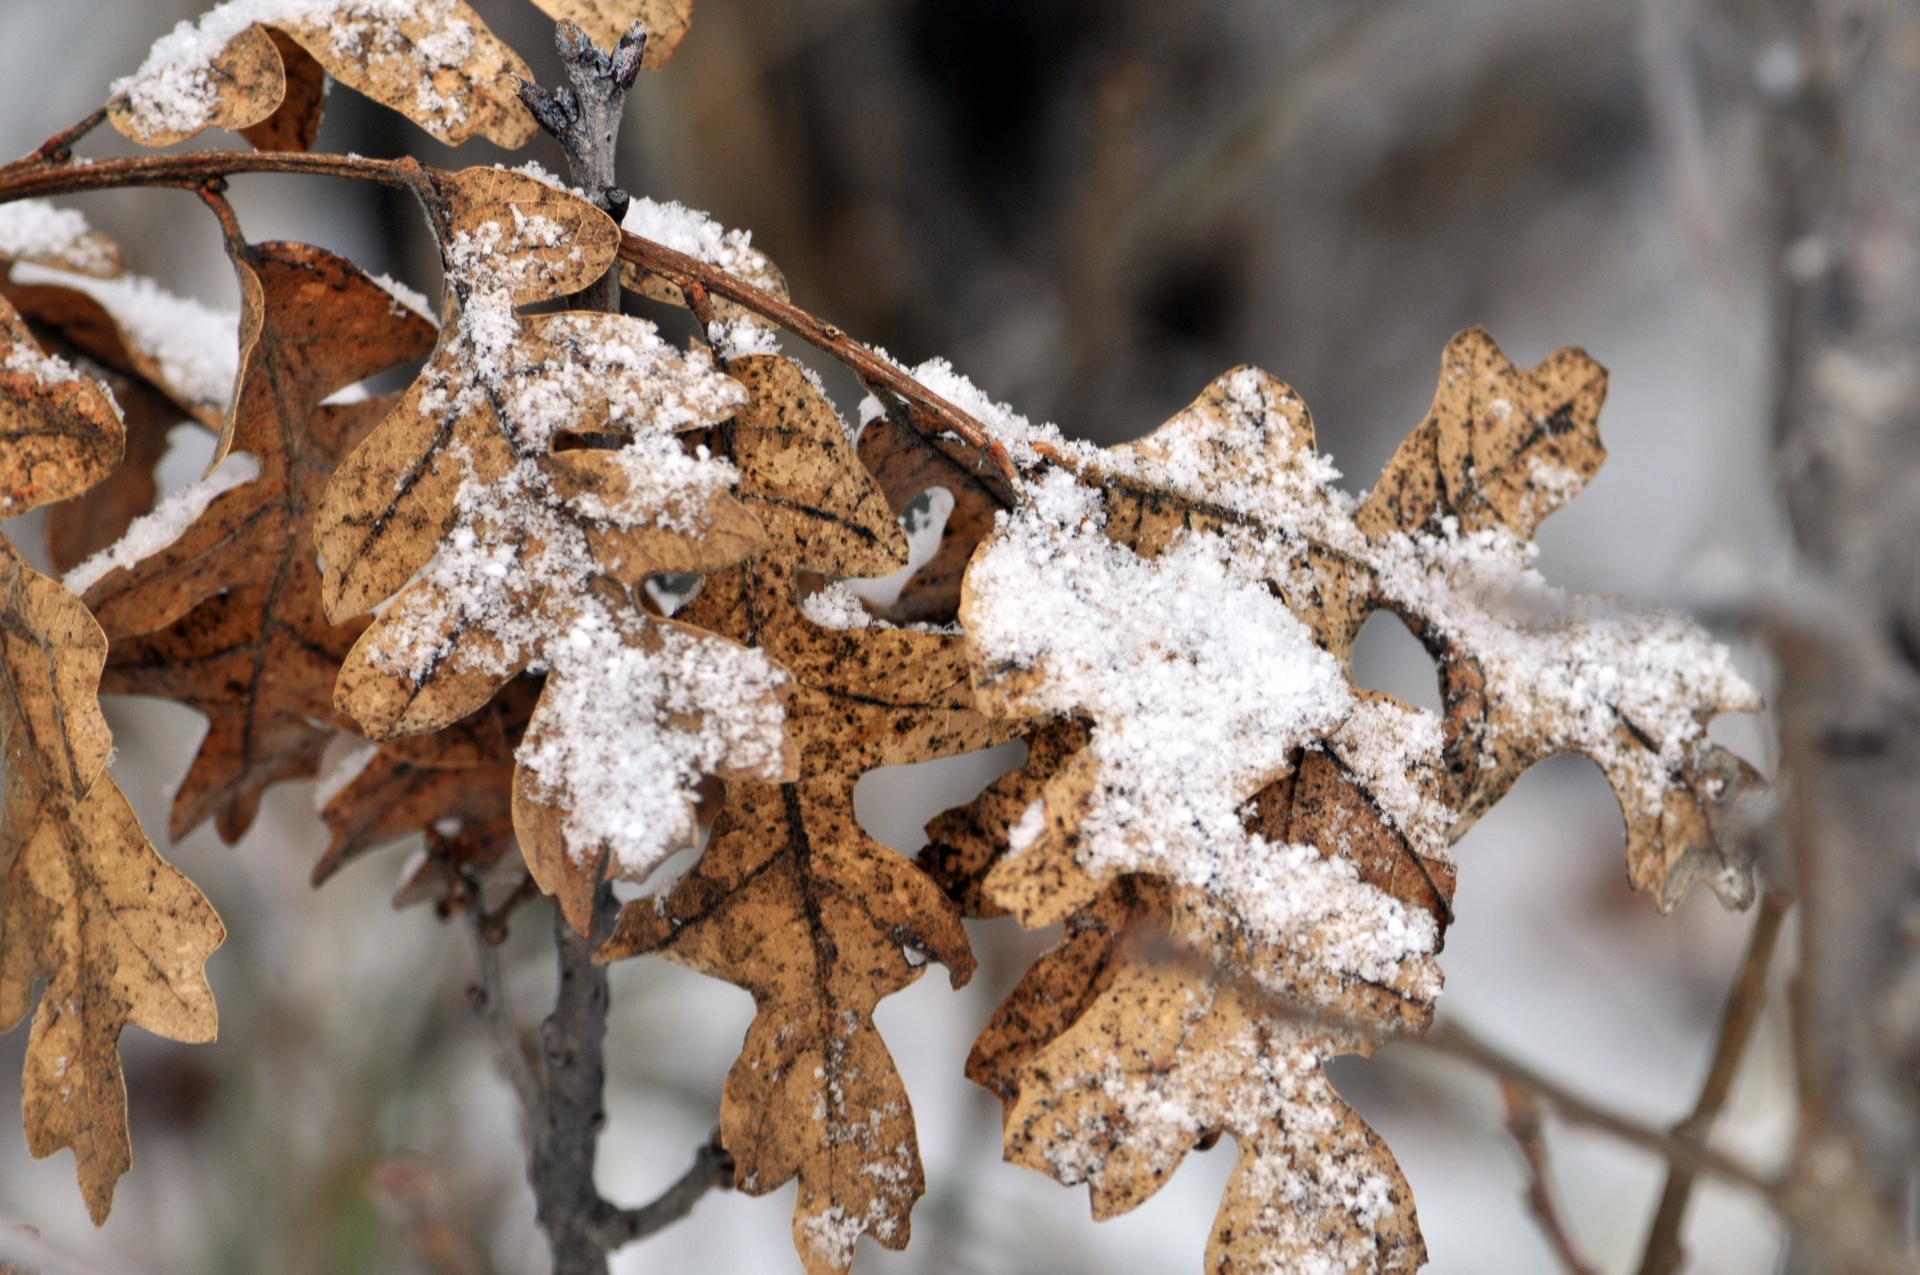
634,711
152,532
195,347
174,90
35,230
836,607
407,299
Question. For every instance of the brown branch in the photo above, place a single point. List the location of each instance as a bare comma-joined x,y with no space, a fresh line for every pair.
58,149
490,1002
712,1170
32,177
1527,1124
1664,1251
692,275
1457,1042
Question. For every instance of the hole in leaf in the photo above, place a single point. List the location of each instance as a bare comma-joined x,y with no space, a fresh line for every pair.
671,590
1387,657
894,803
923,520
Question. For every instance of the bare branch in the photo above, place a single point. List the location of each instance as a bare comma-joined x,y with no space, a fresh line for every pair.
712,1170
1528,1127
1664,1251
490,1002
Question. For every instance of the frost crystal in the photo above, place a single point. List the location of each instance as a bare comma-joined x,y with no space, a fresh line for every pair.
35,230
152,532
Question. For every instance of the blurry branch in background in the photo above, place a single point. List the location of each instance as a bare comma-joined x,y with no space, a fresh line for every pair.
1528,1126
1664,1252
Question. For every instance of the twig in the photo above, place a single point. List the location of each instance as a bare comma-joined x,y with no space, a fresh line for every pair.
712,1170
58,149
1528,1127
1664,1251
1457,1042
491,1004
32,178
690,273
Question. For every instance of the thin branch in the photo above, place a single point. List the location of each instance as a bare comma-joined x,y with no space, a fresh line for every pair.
496,1011
712,1170
1451,1039
31,178
1528,1126
690,274
58,149
1664,1251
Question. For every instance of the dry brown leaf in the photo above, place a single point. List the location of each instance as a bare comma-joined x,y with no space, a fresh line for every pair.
455,786
792,900
83,526
605,21
70,310
227,617
59,433
296,121
86,904
1279,824
435,62
910,460
537,474
235,86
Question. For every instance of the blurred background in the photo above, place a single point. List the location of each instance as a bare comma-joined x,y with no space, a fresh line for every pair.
1092,207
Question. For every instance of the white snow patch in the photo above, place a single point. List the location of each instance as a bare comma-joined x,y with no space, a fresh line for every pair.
152,532
35,230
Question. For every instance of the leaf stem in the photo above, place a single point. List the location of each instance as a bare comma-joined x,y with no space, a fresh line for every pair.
695,278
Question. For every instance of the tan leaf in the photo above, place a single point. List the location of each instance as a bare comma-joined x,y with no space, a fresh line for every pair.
86,905
59,433
455,786
83,525
434,61
183,349
296,121
529,482
226,617
795,903
605,21
233,85
1173,619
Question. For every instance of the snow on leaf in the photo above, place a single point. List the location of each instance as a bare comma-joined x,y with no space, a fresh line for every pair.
737,329
605,21
60,433
180,346
214,599
116,934
792,900
523,489
434,61
1172,619
37,231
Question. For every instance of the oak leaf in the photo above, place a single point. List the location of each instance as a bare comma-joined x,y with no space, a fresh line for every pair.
87,906
791,899
492,488
1175,617
226,616
434,61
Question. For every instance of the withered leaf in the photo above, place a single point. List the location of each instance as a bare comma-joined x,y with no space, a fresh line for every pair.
1292,830
86,904
181,348
435,62
792,900
296,121
88,523
605,21
495,475
227,617
59,433
234,85
454,785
